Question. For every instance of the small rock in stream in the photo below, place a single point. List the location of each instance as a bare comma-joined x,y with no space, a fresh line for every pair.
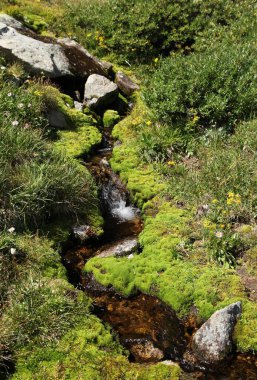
146,352
121,248
82,233
212,343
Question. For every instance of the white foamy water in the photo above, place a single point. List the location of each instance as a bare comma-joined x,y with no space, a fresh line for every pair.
116,201
124,212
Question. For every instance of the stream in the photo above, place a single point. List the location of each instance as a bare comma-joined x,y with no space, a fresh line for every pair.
148,328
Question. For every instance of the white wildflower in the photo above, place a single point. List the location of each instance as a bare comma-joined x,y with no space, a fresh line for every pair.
13,251
15,123
219,234
20,105
130,256
11,230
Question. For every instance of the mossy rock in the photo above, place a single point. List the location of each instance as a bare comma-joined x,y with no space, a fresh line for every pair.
78,133
110,118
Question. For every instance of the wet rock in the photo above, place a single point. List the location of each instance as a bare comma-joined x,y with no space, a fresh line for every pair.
104,162
36,56
83,233
146,352
125,84
100,92
121,248
213,341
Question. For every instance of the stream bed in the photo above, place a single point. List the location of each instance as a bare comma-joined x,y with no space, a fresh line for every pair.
148,328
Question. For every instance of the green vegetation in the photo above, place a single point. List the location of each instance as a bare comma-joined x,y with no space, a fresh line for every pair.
187,154
110,118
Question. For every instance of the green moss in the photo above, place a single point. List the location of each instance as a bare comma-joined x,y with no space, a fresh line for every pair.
79,142
87,352
81,134
141,179
34,22
246,329
110,118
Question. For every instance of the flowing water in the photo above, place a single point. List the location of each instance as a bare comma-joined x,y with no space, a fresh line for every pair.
148,328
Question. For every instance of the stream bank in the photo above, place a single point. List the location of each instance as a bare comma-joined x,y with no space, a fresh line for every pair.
148,328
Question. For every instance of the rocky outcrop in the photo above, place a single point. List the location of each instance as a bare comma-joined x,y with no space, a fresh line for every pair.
36,56
100,92
125,84
121,248
10,21
213,341
48,56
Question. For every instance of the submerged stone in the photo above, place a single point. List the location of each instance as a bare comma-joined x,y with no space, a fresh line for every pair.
146,352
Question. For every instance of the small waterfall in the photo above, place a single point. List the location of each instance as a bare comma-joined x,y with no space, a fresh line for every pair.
116,201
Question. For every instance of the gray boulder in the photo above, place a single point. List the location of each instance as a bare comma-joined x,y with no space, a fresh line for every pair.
213,341
125,84
10,21
36,56
45,55
100,92
121,248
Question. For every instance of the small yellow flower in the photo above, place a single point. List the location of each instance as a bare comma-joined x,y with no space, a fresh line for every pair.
156,60
148,122
230,201
222,226
89,34
214,201
171,163
230,194
195,119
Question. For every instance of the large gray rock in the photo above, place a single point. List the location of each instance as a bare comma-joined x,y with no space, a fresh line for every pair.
36,56
125,84
100,92
45,55
121,248
213,341
10,21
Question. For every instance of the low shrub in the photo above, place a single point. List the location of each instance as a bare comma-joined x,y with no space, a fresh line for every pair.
207,90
